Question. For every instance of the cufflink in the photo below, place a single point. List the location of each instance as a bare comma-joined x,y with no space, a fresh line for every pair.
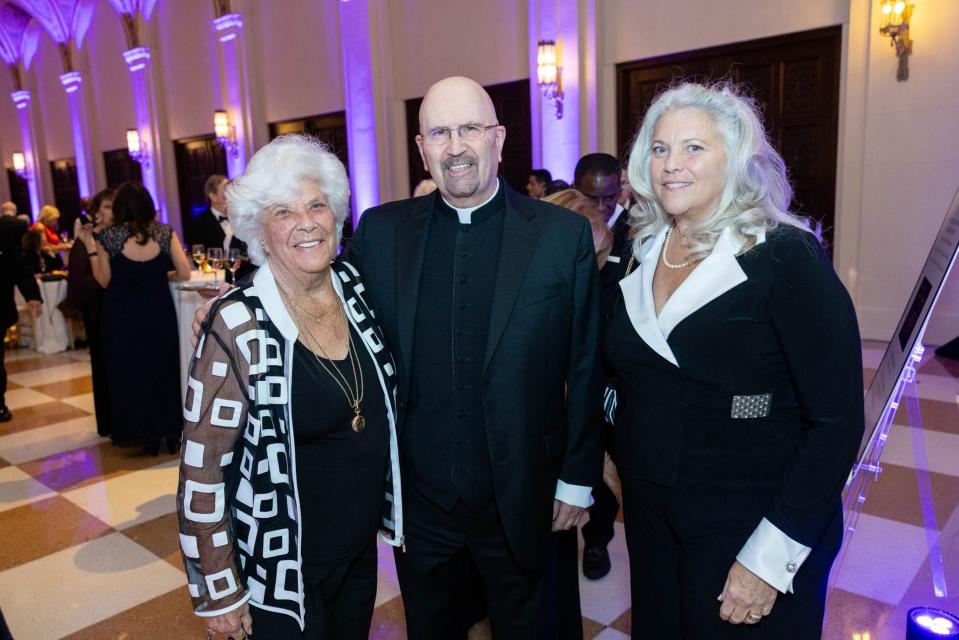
792,567
756,406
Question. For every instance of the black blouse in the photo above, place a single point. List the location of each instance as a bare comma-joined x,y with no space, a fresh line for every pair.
340,473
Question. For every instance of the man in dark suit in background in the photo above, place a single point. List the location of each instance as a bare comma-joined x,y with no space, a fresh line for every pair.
13,272
490,302
597,176
539,179
212,228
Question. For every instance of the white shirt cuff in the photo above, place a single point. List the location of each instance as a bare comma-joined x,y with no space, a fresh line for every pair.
773,556
574,494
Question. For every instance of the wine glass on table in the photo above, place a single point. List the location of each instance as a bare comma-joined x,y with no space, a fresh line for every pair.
198,251
214,256
233,261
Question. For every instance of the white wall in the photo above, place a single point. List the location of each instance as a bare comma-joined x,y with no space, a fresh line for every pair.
51,101
433,39
110,100
910,170
187,52
298,58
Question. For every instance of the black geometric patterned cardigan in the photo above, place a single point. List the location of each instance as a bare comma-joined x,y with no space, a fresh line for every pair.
237,499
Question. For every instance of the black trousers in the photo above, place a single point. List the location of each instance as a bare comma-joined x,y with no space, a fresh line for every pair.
434,573
98,367
563,617
682,542
598,532
339,603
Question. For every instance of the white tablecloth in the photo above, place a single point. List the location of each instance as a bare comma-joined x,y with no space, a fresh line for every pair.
186,304
52,333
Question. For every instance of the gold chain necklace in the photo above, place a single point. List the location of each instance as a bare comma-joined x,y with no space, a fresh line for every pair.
681,265
353,397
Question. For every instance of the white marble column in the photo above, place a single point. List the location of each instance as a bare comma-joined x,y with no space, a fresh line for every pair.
142,81
558,143
357,46
31,153
73,84
235,88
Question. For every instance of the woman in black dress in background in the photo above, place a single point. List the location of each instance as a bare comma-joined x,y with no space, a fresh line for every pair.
86,294
133,261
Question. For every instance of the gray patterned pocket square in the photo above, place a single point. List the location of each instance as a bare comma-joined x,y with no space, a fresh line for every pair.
756,406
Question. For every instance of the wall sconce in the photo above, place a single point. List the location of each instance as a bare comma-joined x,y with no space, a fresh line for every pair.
225,132
894,22
549,74
136,148
20,164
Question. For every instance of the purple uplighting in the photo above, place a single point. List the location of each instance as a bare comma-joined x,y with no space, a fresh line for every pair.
138,62
72,83
928,622
357,61
235,90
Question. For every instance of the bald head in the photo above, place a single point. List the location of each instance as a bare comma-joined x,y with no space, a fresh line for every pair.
464,163
459,96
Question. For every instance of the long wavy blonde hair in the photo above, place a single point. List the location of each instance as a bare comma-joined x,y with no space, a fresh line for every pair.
756,195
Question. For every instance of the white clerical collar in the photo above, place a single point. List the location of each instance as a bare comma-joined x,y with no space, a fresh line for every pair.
616,213
466,215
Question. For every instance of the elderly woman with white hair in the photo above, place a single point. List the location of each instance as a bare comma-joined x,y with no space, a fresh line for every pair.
289,460
739,373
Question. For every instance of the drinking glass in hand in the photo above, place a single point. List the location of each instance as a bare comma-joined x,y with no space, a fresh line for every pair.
199,255
215,257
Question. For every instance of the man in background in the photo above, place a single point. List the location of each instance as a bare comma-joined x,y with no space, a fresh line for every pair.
13,272
538,180
212,228
597,176
8,209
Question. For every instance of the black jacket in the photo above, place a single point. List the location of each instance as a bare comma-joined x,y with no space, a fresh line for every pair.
543,381
13,270
750,378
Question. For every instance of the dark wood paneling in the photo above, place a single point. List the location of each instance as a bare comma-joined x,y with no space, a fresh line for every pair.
511,100
331,129
121,168
66,191
795,79
19,192
197,159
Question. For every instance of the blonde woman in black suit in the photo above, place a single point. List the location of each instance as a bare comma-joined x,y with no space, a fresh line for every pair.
739,372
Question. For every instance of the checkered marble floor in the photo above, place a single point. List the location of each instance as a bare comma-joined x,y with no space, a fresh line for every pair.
90,548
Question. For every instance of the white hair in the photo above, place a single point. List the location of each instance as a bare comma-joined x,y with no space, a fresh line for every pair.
756,193
273,176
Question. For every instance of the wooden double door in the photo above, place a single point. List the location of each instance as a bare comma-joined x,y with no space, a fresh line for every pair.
795,80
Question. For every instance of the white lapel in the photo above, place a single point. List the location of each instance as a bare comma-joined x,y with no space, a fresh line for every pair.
266,290
638,297
718,273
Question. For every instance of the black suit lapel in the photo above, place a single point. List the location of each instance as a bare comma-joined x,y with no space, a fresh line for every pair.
516,248
411,235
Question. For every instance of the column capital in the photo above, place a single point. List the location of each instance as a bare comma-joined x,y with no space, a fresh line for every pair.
137,58
21,98
71,81
227,26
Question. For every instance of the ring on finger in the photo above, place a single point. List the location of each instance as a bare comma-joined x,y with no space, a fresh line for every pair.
753,617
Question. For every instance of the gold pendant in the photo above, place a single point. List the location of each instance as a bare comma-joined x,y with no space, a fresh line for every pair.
359,423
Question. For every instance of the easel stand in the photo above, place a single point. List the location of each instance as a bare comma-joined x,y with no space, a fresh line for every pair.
867,471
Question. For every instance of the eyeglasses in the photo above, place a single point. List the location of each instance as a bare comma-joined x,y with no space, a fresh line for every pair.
471,132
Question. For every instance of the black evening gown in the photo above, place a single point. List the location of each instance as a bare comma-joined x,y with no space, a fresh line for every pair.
140,343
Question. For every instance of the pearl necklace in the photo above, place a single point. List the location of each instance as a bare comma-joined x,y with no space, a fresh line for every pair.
666,262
